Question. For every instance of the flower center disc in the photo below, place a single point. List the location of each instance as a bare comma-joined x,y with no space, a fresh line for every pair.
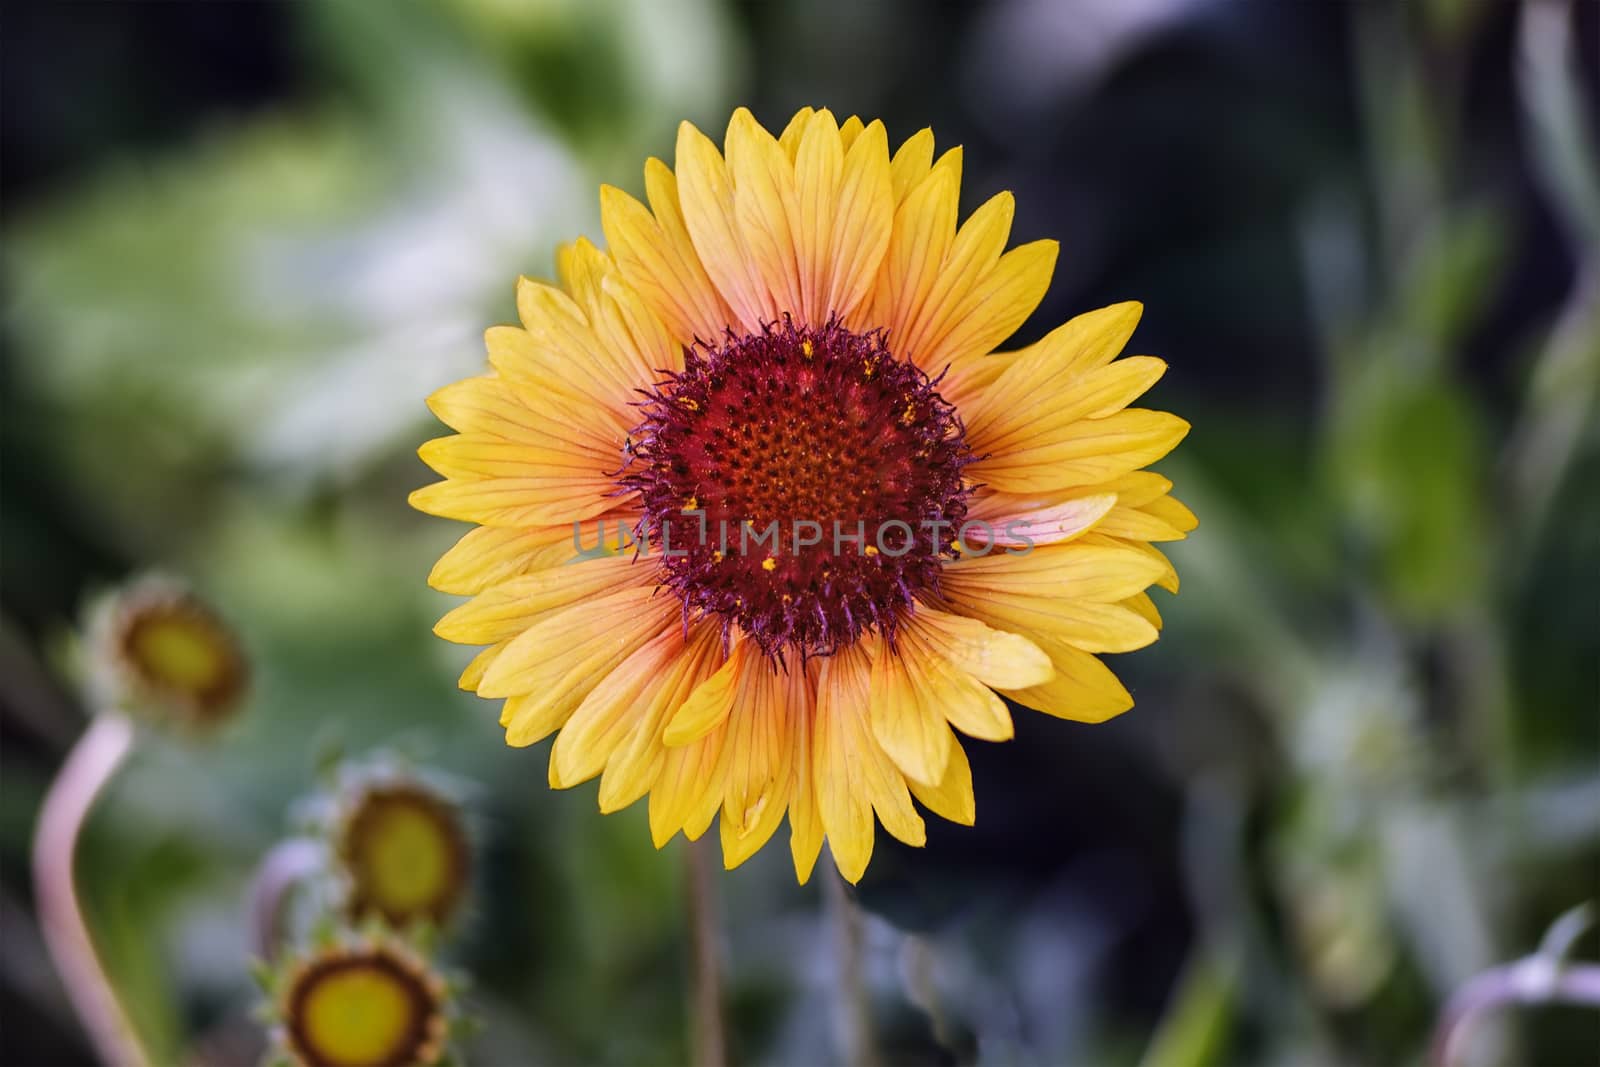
358,1009
800,483
407,856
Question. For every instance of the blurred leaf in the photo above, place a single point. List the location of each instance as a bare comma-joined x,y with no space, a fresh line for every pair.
1408,461
1448,288
1194,1031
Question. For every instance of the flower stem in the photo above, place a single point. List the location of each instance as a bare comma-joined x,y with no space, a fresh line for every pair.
1532,980
708,1035
88,767
288,865
852,1009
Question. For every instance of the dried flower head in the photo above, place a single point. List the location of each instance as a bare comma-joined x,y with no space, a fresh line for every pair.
402,849
157,650
362,1003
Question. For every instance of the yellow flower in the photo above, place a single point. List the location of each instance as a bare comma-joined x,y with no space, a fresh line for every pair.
857,520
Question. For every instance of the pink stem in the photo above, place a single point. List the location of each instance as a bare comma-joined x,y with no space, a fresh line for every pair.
1532,980
284,869
88,767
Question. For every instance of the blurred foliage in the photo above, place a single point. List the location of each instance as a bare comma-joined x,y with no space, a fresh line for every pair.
1365,762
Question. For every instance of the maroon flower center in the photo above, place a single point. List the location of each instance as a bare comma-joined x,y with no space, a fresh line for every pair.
802,484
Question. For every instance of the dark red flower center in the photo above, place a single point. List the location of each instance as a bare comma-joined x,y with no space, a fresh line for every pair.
802,484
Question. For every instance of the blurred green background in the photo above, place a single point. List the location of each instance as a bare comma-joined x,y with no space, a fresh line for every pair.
242,242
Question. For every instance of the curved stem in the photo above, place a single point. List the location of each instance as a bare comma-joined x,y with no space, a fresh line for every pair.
1532,980
288,865
88,767
708,1037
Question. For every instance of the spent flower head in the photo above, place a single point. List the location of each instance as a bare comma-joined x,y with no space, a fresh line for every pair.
360,1001
156,650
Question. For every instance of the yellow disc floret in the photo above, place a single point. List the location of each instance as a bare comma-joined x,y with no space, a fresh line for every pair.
405,852
366,1005
158,650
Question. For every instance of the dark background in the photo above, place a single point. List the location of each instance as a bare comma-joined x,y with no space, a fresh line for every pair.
243,241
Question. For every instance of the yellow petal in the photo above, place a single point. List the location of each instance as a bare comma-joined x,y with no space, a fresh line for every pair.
911,163
705,192
862,220
709,705
805,818
612,710
1095,573
793,133
558,354
914,735
688,788
766,206
473,673
1141,605
630,335
568,651
483,404
996,302
850,130
993,657
1168,579
491,406
952,797
1137,488
972,254
969,705
1091,627
739,844
633,767
818,164
470,455
529,719
1083,344
1003,520
654,252
759,753
546,500
511,607
969,376
1036,418
488,555
1172,512
1083,689
1087,453
1137,524
852,774
924,227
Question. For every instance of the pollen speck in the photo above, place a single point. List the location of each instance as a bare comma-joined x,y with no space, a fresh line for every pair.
769,564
